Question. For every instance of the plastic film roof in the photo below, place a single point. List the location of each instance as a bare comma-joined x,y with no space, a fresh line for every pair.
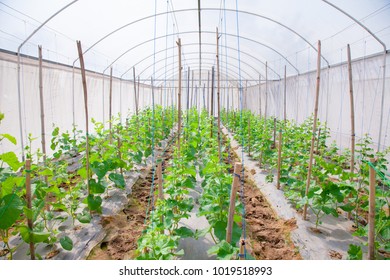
124,34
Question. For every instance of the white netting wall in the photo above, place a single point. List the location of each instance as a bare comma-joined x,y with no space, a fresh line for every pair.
334,100
58,99
59,87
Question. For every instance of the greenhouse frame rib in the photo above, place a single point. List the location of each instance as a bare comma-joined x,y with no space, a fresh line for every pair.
384,63
18,53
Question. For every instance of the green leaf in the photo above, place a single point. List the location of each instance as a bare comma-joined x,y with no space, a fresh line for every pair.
328,210
220,230
82,172
9,137
66,243
138,157
148,152
184,232
55,131
46,172
117,179
33,236
7,186
189,182
355,252
96,187
84,217
201,233
11,206
94,202
347,207
99,168
236,234
12,160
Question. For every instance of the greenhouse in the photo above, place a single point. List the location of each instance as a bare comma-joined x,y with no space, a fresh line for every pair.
195,130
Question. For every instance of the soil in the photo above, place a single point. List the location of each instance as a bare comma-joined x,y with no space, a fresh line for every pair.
334,255
268,236
125,228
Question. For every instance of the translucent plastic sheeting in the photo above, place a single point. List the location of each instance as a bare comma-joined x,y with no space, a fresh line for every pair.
126,33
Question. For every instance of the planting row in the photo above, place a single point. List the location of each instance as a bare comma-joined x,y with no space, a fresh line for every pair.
195,161
64,187
335,185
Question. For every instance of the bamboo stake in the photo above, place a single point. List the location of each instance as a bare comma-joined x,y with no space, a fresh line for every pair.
160,181
188,92
138,83
285,94
81,58
279,159
135,93
179,98
274,145
29,206
218,99
314,127
43,138
119,149
249,136
352,163
266,90
212,102
260,95
352,110
208,91
192,90
233,193
371,213
160,188
161,95
110,107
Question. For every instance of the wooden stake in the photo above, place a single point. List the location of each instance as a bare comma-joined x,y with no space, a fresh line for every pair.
218,99
352,163
138,83
285,94
260,95
135,93
43,138
179,99
279,159
371,213
266,90
192,90
274,133
110,107
81,58
29,206
249,136
160,188
352,110
212,102
233,193
314,126
160,181
208,92
119,149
